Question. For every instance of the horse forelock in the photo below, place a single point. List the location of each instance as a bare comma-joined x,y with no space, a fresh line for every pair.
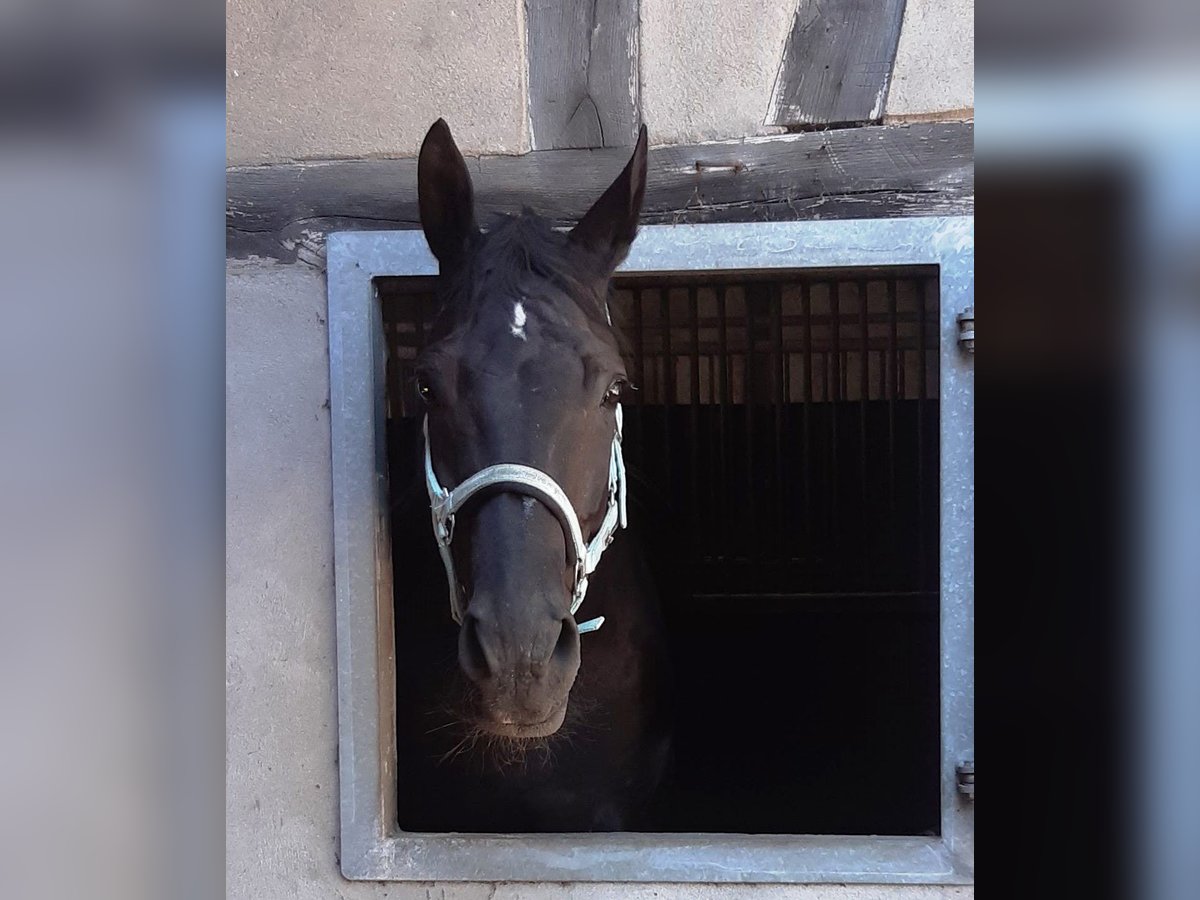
518,258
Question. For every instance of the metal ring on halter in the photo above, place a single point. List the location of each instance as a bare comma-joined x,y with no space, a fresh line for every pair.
521,479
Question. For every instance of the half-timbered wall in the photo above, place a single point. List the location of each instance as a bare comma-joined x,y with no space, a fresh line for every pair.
318,79
328,101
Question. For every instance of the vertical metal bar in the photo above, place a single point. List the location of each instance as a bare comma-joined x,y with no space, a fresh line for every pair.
723,353
864,390
714,473
892,353
694,417
844,370
835,324
921,367
419,336
806,309
750,528
664,296
393,402
780,390
826,375
668,390
639,372
398,369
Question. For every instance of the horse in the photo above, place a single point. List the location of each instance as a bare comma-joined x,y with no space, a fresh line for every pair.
515,713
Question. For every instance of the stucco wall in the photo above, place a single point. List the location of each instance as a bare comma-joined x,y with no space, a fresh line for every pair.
282,781
935,62
316,79
708,66
312,79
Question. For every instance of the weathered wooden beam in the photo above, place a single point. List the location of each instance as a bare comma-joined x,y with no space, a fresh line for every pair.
925,169
837,62
583,72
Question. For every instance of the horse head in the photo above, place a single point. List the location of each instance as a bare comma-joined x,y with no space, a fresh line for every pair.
523,380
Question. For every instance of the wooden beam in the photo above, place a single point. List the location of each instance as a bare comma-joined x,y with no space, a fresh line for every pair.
879,171
837,62
583,72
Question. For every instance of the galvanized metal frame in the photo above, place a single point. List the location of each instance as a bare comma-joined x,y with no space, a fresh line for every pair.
372,846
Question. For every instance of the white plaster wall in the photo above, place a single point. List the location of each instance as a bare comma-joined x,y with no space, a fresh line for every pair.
935,61
281,734
312,79
708,66
281,728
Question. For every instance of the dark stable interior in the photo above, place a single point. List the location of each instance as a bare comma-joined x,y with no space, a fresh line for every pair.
785,482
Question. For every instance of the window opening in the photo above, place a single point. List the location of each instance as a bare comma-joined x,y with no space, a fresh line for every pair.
782,449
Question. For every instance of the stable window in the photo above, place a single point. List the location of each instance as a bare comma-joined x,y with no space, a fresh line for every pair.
804,426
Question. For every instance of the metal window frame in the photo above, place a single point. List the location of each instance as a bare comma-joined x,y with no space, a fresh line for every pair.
372,846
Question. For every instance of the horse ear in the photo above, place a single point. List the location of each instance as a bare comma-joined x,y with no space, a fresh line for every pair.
609,227
444,195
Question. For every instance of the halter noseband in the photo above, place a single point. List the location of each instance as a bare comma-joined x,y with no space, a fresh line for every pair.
535,483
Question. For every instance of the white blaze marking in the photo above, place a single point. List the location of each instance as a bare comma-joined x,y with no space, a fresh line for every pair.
518,323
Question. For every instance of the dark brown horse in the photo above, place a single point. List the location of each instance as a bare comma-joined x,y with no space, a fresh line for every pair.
510,718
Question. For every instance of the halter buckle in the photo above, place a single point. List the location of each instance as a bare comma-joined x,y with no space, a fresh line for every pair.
445,529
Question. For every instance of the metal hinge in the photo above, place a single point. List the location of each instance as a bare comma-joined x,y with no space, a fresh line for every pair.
966,329
966,779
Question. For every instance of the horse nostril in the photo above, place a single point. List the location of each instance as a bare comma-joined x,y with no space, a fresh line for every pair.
471,654
567,646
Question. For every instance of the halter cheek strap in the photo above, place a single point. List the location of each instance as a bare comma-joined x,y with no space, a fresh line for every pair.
520,479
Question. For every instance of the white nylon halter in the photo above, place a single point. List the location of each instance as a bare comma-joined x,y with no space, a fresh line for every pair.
534,483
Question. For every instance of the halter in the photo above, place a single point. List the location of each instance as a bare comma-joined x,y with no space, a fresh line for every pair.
535,483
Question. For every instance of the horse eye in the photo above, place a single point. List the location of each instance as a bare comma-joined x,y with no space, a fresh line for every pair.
423,391
613,394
